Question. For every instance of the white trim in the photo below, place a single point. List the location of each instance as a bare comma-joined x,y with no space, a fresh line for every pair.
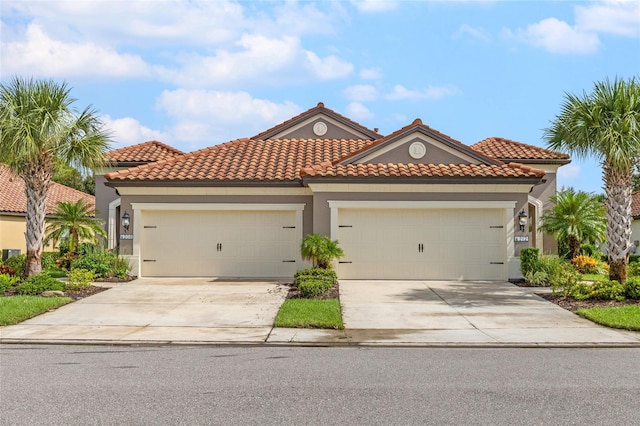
421,204
539,207
547,168
190,190
138,208
399,187
112,232
319,116
215,206
511,269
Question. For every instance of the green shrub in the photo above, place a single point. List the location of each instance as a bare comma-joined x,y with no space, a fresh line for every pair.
561,274
634,258
7,281
79,278
580,291
39,283
633,269
529,261
313,287
590,250
632,288
18,263
537,279
96,262
315,273
49,260
65,260
119,266
608,290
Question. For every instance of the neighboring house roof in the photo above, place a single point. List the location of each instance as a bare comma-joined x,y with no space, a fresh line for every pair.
635,205
318,109
508,150
14,200
142,153
244,160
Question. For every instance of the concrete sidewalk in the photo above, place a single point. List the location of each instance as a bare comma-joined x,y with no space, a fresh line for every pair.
386,313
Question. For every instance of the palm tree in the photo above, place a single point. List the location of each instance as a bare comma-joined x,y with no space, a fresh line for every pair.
37,125
606,124
321,250
576,218
75,220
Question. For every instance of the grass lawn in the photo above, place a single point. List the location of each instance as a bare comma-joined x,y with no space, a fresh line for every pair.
624,317
310,313
15,309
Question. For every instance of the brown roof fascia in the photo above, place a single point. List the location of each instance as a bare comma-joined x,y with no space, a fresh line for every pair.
424,129
320,108
307,179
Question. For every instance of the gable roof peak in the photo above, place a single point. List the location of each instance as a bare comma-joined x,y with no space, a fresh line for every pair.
320,105
418,122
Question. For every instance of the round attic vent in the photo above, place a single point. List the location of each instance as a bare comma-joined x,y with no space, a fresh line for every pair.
320,128
417,150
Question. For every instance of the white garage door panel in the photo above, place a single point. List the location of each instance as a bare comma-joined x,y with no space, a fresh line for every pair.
422,244
218,243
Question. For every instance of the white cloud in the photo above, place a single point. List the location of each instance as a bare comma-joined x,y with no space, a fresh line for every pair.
256,58
327,68
209,116
559,37
371,74
361,92
474,32
129,131
375,6
357,111
432,92
39,55
569,172
616,17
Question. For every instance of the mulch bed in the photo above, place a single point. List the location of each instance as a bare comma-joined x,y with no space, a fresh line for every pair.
571,304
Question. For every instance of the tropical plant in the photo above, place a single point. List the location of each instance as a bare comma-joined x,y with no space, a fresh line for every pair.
74,222
321,250
38,124
606,124
576,218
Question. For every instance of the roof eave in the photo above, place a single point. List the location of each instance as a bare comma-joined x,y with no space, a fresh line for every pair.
201,183
307,179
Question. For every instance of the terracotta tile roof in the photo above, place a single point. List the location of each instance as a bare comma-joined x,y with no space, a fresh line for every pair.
508,150
146,152
511,170
417,124
244,160
14,200
635,205
320,108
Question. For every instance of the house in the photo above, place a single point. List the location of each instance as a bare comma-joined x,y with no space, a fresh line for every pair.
414,204
635,224
107,199
13,208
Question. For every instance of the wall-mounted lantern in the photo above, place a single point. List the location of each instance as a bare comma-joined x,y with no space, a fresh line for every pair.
522,220
125,221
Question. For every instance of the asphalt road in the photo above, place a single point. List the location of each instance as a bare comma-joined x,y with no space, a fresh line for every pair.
91,385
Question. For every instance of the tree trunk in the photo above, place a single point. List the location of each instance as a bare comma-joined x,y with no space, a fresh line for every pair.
37,179
574,246
618,187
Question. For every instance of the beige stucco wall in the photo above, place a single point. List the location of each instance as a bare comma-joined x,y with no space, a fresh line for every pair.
635,234
12,230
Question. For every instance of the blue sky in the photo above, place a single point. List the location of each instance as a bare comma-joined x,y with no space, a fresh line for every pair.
197,73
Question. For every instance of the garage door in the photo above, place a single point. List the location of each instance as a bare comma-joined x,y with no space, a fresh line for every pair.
422,244
219,243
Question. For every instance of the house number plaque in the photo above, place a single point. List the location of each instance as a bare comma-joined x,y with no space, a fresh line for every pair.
126,236
521,238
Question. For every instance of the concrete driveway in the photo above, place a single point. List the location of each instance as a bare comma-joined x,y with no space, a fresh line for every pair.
162,310
448,312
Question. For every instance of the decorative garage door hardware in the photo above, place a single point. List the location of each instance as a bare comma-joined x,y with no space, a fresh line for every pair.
150,226
289,261
219,247
344,261
496,227
148,260
289,227
496,263
420,248
345,226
